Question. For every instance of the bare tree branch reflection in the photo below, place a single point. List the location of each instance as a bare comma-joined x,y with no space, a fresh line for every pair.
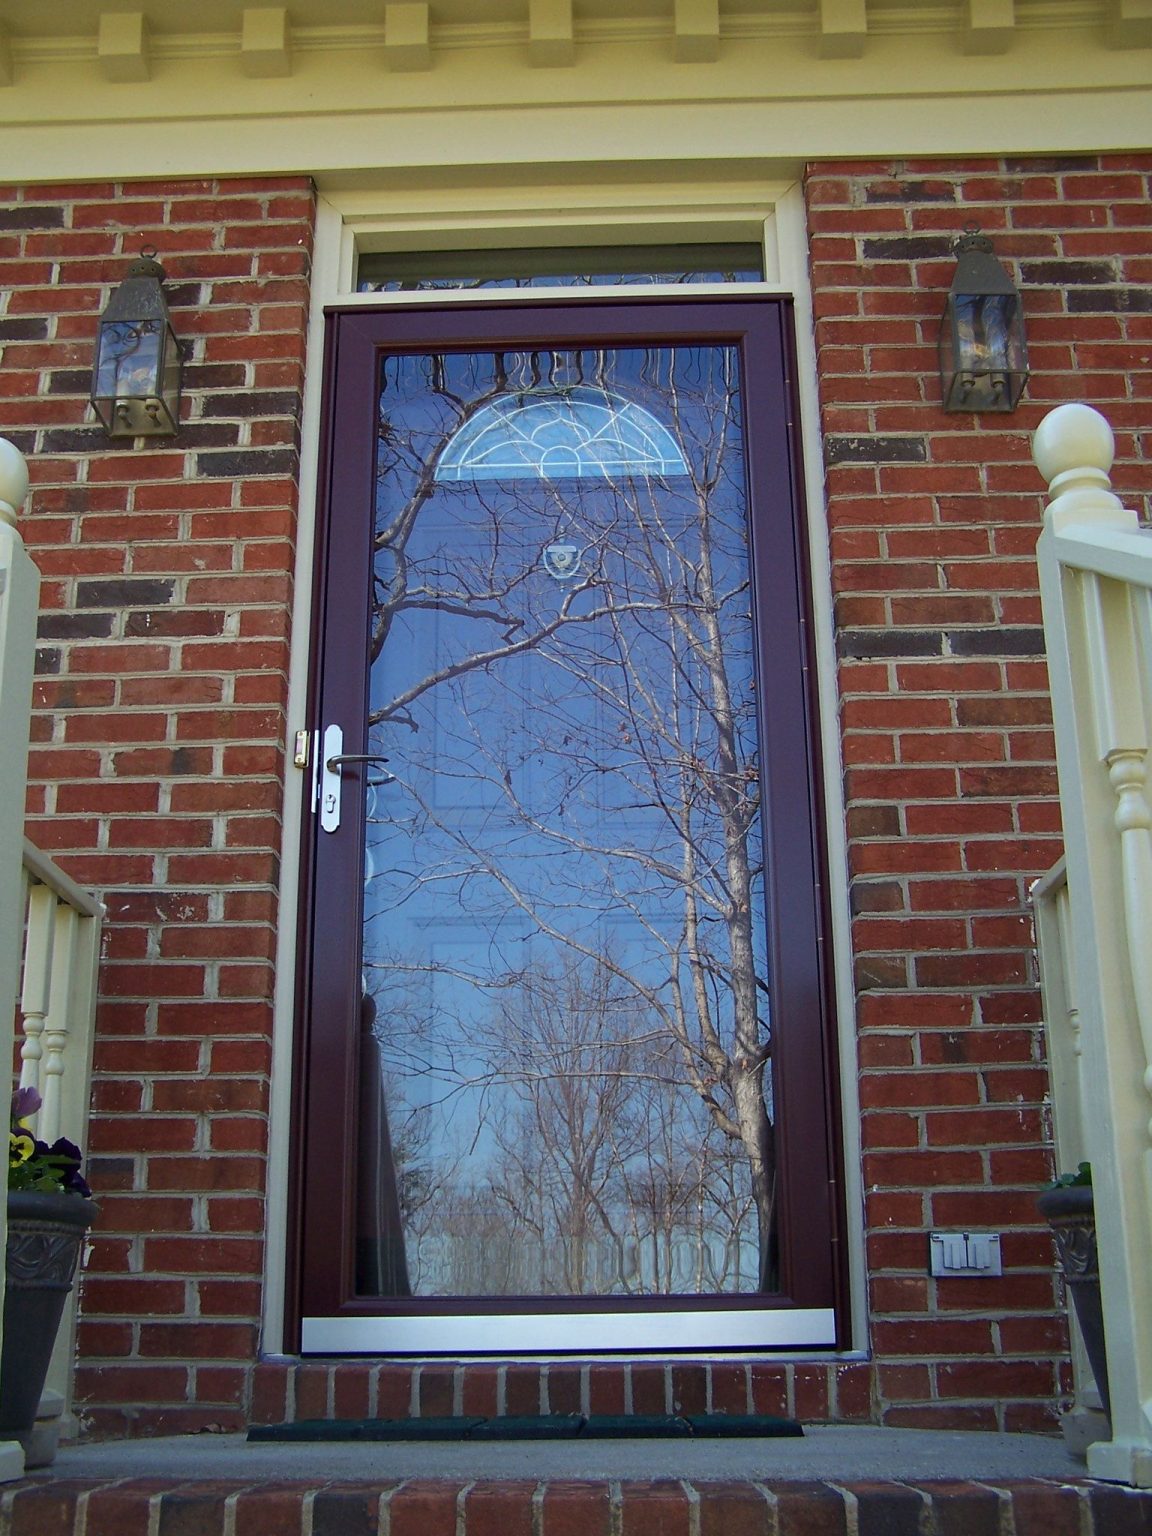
565,920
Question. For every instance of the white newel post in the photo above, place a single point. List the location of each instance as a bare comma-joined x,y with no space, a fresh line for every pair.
19,602
1096,586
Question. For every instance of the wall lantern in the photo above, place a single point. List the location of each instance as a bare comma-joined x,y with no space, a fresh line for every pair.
983,354
136,381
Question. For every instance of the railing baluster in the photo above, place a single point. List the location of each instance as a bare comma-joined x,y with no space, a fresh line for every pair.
76,1082
36,991
1112,645
57,1021
1068,974
1128,774
1141,600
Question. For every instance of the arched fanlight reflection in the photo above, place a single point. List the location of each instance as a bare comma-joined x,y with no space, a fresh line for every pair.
574,432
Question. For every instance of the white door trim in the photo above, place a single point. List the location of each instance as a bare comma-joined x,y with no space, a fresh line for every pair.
640,214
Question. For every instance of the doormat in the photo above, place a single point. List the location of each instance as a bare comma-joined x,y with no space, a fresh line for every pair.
542,1426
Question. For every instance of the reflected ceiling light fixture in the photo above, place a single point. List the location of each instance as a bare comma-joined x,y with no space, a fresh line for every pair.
983,352
136,380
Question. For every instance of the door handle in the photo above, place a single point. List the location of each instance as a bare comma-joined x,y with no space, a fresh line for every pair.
332,761
363,757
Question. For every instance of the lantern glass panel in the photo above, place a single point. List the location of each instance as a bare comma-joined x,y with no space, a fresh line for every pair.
983,357
170,379
137,377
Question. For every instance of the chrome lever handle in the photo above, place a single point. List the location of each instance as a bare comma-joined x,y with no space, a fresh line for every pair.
333,764
333,761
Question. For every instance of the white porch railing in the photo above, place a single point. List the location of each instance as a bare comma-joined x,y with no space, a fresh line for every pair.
1096,938
1052,909
58,995
1053,915
57,1012
49,927
19,599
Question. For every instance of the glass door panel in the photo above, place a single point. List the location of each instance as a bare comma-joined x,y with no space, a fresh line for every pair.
564,922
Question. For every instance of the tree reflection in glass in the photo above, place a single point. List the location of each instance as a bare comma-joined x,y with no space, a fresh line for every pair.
564,934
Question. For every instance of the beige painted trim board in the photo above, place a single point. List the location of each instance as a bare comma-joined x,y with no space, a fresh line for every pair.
334,145
338,88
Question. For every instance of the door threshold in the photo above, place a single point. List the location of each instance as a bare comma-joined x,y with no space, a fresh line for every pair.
583,1333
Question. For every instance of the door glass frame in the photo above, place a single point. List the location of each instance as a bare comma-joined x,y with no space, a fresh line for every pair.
805,1314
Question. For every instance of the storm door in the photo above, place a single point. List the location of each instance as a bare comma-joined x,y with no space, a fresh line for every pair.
565,1080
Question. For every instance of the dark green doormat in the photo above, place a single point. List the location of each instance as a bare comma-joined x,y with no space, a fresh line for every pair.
544,1426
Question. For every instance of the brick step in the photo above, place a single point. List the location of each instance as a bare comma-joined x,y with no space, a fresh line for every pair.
160,1507
292,1389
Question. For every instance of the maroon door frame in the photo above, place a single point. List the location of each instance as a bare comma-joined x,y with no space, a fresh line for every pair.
806,1098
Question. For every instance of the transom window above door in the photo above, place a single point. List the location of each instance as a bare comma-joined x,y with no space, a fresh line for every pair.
560,267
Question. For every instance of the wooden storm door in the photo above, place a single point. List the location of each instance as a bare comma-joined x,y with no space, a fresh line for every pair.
565,1075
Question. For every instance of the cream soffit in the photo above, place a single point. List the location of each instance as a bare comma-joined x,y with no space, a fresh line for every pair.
340,86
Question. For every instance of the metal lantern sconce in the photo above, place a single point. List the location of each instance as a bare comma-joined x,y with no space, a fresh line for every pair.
983,353
136,380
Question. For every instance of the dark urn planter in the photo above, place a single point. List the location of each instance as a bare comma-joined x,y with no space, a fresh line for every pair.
45,1235
1069,1211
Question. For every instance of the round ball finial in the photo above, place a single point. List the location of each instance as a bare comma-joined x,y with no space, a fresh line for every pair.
1073,437
13,475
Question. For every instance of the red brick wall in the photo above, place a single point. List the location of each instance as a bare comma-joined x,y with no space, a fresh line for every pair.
948,755
158,758
158,762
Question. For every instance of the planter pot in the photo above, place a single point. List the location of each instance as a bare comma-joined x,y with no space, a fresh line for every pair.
45,1235
1069,1211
